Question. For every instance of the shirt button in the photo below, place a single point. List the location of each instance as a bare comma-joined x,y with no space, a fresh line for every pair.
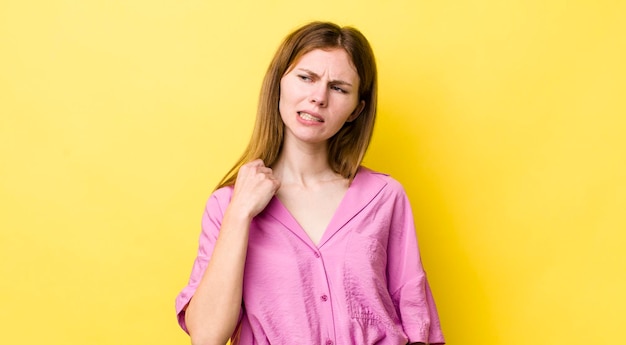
317,255
325,298
329,342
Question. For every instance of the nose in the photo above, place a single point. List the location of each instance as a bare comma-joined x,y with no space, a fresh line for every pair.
319,95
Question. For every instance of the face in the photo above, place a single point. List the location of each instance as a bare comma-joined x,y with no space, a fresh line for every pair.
318,95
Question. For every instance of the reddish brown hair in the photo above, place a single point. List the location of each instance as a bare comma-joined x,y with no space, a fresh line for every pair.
346,148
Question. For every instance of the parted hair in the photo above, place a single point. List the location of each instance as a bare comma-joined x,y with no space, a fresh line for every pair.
348,146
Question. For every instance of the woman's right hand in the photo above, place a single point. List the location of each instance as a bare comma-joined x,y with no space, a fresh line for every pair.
254,188
212,313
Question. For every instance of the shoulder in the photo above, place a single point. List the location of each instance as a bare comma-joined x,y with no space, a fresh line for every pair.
223,192
220,199
386,181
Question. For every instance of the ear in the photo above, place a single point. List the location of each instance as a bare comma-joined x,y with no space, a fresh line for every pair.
357,111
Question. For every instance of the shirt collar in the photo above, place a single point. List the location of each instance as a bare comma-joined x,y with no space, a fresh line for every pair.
363,189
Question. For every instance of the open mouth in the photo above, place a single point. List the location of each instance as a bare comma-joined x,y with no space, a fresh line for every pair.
309,117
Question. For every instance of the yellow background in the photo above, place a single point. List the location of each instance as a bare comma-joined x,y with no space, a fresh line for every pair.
505,121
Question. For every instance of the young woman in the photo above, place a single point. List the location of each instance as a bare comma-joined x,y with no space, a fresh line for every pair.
300,244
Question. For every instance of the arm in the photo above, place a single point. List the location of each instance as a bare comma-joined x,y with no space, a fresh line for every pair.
212,313
408,285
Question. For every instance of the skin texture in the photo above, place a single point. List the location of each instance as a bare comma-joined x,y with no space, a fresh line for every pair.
324,84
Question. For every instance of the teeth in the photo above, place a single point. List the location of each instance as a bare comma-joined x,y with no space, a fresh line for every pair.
309,117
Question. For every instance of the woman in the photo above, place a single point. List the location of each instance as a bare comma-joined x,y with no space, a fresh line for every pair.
299,244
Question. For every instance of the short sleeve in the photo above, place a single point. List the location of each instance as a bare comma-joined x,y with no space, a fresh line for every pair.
408,285
211,223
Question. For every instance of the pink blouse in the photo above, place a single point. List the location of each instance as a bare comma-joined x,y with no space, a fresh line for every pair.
363,284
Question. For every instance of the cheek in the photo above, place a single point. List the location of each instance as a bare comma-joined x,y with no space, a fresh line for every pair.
281,99
284,103
289,97
285,96
349,107
281,110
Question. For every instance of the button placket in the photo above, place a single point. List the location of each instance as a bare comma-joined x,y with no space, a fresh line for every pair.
324,298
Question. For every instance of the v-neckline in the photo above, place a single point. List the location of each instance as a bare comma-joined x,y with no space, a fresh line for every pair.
361,191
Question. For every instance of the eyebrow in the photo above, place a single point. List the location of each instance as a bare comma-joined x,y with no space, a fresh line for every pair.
336,82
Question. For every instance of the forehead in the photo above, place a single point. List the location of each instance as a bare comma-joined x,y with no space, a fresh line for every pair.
334,62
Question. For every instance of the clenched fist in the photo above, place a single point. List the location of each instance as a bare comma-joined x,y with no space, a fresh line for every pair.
254,188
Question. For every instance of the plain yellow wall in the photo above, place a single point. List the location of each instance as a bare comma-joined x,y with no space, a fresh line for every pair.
505,121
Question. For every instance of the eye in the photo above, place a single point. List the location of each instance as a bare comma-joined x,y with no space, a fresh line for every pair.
338,89
304,77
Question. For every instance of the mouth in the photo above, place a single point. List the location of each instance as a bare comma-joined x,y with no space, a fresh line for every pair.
308,117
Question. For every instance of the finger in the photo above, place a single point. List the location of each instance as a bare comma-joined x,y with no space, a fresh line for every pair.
264,170
256,163
276,185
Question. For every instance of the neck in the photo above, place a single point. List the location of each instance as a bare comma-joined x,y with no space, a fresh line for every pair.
303,163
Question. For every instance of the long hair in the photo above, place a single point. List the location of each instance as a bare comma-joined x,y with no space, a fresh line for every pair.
346,148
